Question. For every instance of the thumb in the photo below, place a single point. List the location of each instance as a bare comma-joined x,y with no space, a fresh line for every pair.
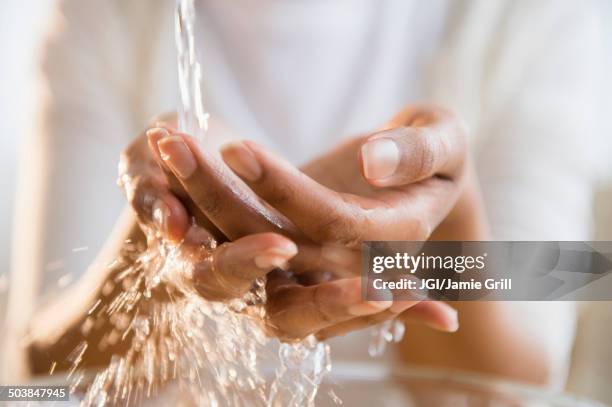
406,155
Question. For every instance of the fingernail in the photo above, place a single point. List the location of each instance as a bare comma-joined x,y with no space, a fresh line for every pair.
161,212
453,325
178,156
154,135
383,299
380,158
241,160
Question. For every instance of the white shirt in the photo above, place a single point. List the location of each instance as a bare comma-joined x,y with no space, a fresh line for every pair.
299,75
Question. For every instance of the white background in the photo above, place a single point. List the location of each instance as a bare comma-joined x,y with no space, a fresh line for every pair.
21,26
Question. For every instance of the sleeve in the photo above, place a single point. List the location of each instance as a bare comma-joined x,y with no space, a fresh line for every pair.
540,155
85,112
82,121
540,143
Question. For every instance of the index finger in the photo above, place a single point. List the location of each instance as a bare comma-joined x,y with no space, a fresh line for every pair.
218,193
154,135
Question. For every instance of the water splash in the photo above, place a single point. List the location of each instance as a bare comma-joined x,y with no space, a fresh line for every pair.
202,352
207,349
180,345
391,331
302,368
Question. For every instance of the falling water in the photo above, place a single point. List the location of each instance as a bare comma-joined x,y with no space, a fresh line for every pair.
193,118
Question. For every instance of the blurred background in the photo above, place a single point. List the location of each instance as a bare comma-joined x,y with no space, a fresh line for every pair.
22,24
21,27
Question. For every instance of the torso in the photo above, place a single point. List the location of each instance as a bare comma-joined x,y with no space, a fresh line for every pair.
301,75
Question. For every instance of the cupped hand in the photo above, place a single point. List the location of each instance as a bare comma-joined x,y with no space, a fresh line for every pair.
296,307
165,210
398,184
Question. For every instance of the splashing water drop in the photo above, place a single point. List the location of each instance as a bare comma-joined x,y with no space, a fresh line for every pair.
391,331
183,347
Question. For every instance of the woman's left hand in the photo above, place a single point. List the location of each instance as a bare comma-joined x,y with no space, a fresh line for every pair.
398,184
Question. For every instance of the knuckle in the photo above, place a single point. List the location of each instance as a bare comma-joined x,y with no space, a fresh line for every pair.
280,191
455,140
425,155
209,203
442,140
342,229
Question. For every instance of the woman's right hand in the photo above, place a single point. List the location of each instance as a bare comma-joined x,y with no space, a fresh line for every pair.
163,210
